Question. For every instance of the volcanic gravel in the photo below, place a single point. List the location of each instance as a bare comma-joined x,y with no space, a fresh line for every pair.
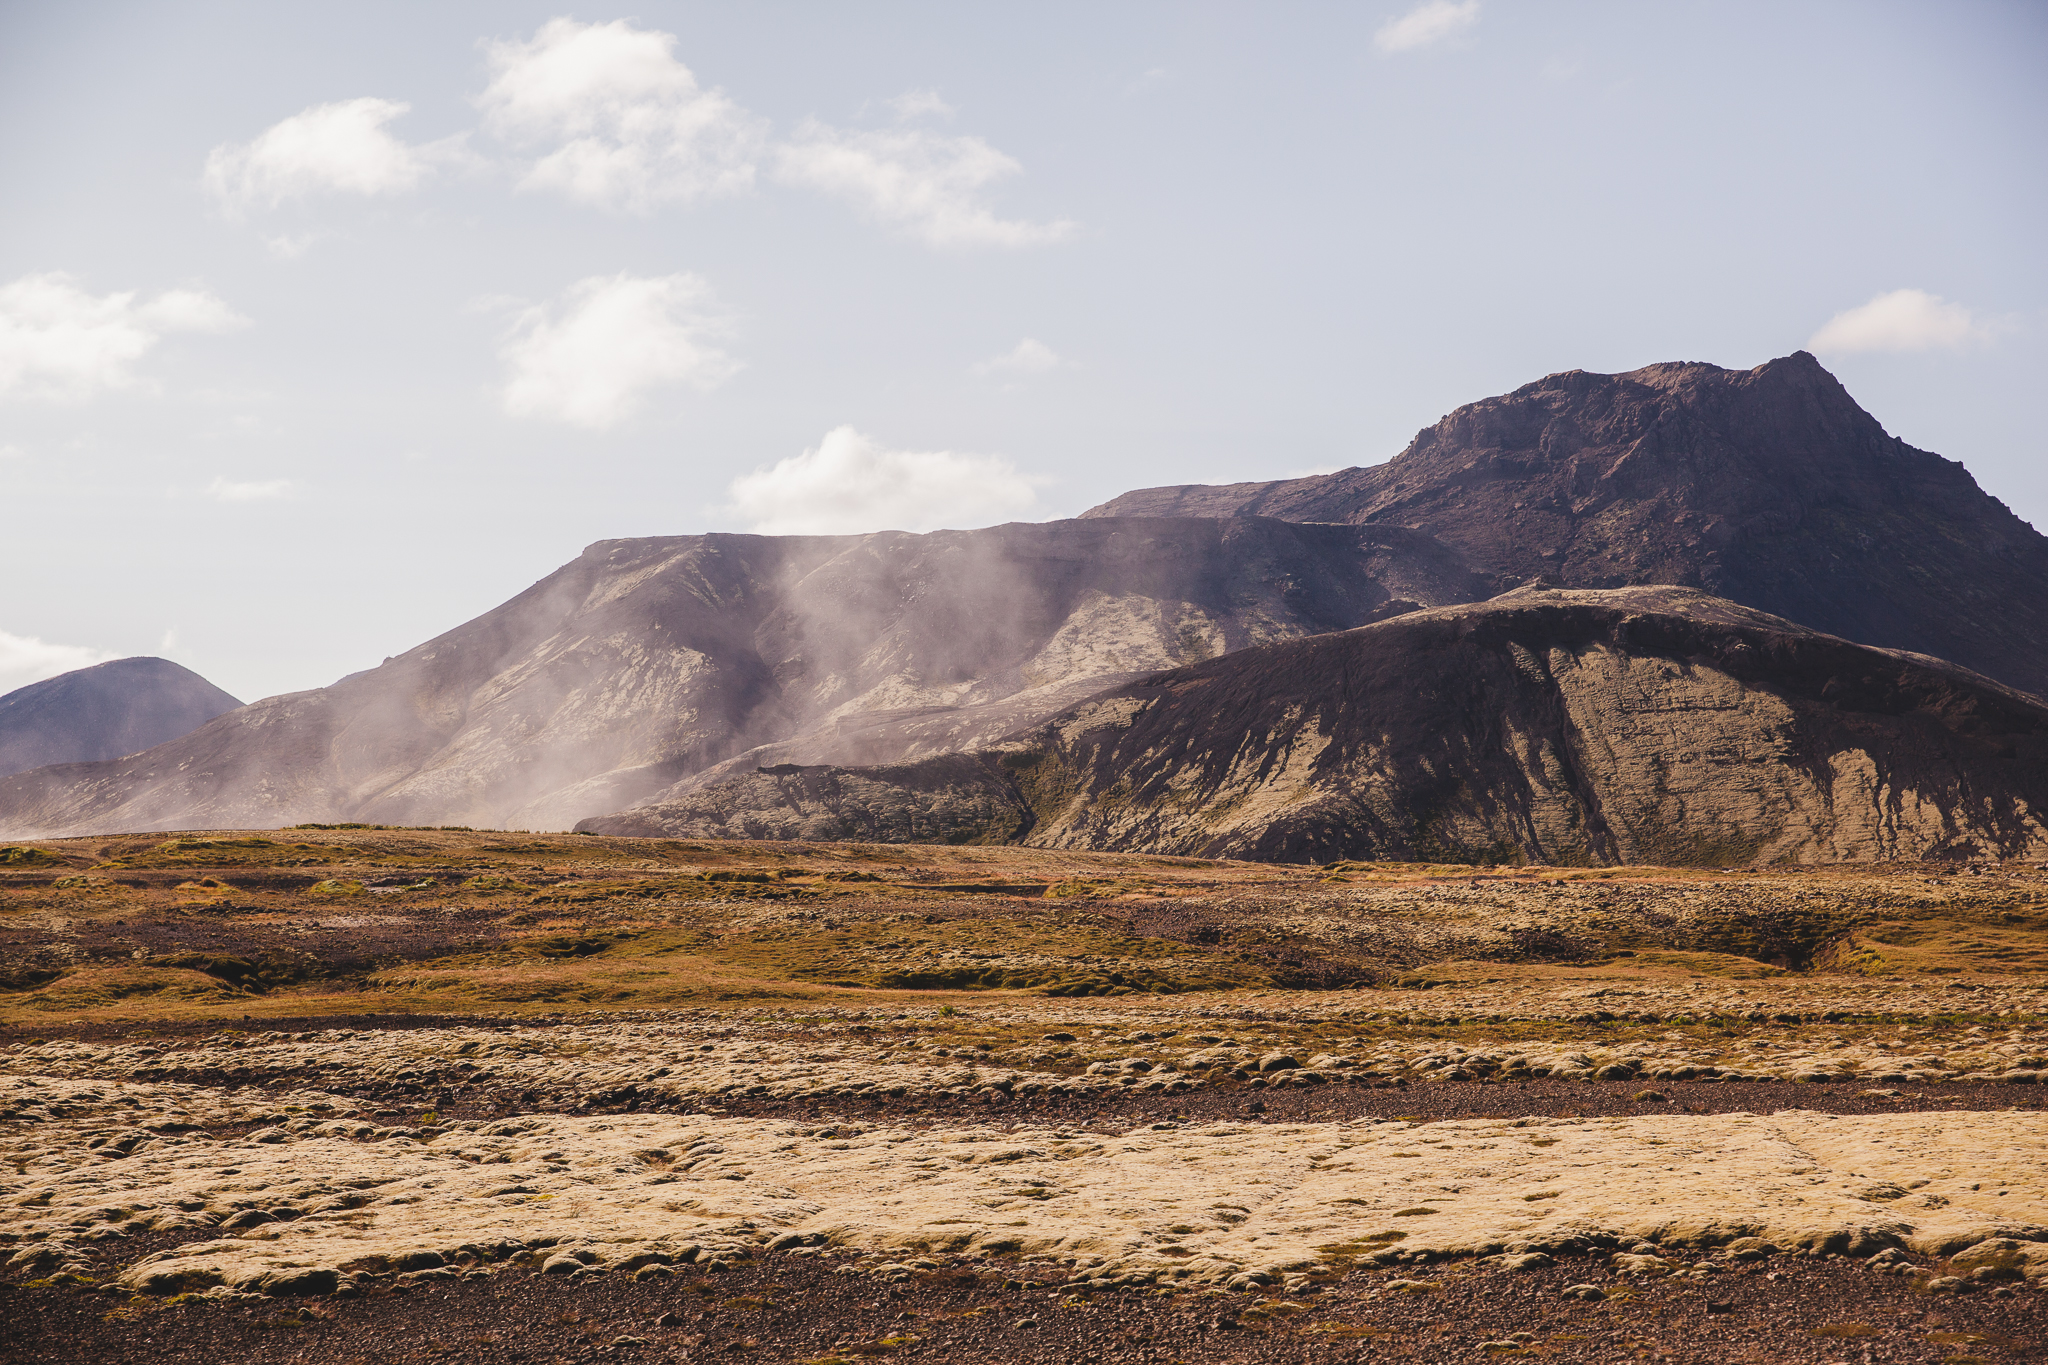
1426,1102
781,1308
1429,1102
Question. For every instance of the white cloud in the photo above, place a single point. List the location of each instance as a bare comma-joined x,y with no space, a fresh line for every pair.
329,148
918,182
57,341
633,125
1429,22
629,127
1903,320
591,357
1025,358
850,484
920,104
289,246
24,659
258,490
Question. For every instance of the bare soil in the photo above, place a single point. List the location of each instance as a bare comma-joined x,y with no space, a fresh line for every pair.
1782,1310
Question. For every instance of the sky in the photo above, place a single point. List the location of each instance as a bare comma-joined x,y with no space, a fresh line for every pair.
326,328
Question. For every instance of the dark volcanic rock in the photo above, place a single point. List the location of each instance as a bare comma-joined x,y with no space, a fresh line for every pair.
644,662
1769,486
954,798
110,709
1639,725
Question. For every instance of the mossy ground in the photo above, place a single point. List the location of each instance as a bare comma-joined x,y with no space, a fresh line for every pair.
303,922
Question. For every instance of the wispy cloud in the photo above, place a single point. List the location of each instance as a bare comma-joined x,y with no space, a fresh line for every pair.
923,184
1430,22
592,356
920,104
340,148
25,659
633,126
58,341
851,483
605,114
254,490
1027,357
1903,320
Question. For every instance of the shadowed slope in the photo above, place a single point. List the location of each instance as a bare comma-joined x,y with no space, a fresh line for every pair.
1769,486
1634,725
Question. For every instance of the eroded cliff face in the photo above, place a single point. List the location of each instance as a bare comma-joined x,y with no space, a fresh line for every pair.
644,662
1644,725
1770,487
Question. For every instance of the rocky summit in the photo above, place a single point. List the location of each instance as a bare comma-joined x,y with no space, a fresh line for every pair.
103,712
643,662
1638,725
1770,487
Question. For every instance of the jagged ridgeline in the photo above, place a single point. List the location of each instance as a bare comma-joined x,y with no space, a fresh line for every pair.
1769,487
1639,725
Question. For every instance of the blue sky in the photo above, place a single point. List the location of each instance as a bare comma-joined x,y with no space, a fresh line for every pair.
325,328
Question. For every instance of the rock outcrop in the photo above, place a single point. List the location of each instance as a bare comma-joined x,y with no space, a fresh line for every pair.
105,711
1638,725
1769,487
644,662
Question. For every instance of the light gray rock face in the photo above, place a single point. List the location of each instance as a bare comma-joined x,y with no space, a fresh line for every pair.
1636,725
643,663
102,712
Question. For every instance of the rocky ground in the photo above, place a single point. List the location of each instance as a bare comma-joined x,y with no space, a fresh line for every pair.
348,1095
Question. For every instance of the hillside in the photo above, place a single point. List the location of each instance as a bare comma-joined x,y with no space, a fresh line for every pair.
105,711
1769,487
643,662
1640,725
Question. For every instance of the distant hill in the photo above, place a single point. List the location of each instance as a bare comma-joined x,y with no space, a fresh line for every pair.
1635,725
1769,486
644,663
102,712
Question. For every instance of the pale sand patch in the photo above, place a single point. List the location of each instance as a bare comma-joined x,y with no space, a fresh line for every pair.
1201,1203
689,1057
564,1064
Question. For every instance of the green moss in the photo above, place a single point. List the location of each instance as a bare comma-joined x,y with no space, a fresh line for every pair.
19,856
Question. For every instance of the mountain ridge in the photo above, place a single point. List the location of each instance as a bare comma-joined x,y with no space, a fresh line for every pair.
642,662
1769,486
1641,725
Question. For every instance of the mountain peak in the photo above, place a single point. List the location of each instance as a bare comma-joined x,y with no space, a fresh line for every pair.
1771,486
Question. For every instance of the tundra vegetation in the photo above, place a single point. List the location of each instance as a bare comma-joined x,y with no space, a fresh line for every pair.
358,1093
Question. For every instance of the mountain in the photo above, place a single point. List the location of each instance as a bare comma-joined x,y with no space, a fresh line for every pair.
104,711
1769,486
1633,725
644,662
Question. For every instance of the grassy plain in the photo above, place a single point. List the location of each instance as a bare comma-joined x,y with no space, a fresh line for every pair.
419,1078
